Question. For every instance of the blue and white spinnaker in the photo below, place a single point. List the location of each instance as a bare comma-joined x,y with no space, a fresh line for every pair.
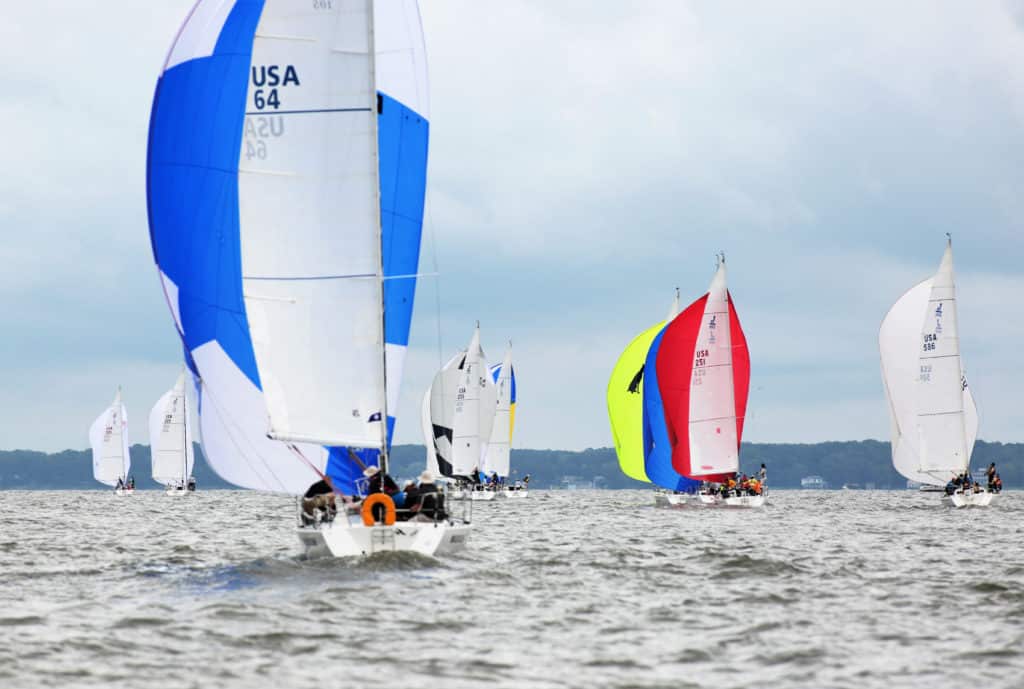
285,180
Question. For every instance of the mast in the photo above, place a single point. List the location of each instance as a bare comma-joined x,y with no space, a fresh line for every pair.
377,103
184,429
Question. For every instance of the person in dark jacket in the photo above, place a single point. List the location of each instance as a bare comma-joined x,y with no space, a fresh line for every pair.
429,501
318,500
379,482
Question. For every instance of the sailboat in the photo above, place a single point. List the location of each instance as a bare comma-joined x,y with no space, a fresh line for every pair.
627,414
497,459
457,415
108,437
286,177
170,440
703,379
934,420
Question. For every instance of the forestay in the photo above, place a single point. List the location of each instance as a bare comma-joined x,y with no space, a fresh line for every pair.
108,437
286,175
170,436
934,419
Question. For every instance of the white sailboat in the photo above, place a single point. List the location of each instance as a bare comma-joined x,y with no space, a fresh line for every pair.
170,440
458,422
497,458
296,135
108,436
934,420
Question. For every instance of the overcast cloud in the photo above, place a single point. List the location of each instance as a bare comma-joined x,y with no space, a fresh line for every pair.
586,158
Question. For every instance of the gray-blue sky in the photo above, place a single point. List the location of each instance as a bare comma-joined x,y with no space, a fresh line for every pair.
586,158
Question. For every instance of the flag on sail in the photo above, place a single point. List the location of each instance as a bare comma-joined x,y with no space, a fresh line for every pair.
266,116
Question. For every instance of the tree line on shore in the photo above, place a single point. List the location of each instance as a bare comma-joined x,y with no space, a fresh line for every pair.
864,463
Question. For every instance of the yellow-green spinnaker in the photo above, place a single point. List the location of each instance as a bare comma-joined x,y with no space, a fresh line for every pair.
626,409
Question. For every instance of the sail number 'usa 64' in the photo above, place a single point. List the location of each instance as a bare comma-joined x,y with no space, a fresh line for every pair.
267,80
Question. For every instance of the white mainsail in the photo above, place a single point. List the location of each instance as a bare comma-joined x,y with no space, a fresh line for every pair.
934,420
108,437
170,436
497,456
713,446
313,293
474,407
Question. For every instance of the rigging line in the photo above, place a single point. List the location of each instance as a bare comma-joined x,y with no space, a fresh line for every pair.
437,283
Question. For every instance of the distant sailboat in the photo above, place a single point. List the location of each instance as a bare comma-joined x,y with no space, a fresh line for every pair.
630,425
703,379
286,181
933,414
497,459
170,440
462,403
108,437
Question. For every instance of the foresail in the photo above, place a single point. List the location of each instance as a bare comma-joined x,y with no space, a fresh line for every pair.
657,444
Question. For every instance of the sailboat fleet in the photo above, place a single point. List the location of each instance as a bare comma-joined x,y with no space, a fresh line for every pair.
286,180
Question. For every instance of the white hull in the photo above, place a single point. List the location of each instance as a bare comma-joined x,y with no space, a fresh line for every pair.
341,539
745,501
982,499
672,499
516,494
124,491
176,491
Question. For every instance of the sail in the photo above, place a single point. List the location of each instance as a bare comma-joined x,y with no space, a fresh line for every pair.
703,370
108,437
625,398
934,419
286,178
170,436
497,457
437,416
474,408
657,447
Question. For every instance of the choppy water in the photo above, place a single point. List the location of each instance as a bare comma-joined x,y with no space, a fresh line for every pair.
584,589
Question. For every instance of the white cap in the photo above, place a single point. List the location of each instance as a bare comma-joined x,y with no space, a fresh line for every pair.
370,471
426,477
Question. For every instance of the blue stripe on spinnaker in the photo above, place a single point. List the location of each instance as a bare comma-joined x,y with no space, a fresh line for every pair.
496,373
657,449
192,187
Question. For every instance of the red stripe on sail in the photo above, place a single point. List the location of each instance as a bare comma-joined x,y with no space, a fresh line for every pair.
674,369
740,369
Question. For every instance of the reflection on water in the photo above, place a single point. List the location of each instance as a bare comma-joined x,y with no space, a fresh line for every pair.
865,589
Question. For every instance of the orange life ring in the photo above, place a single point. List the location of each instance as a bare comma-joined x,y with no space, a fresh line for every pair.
378,499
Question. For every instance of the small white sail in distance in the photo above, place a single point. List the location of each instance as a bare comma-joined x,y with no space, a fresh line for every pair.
108,437
475,404
497,456
934,420
170,435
